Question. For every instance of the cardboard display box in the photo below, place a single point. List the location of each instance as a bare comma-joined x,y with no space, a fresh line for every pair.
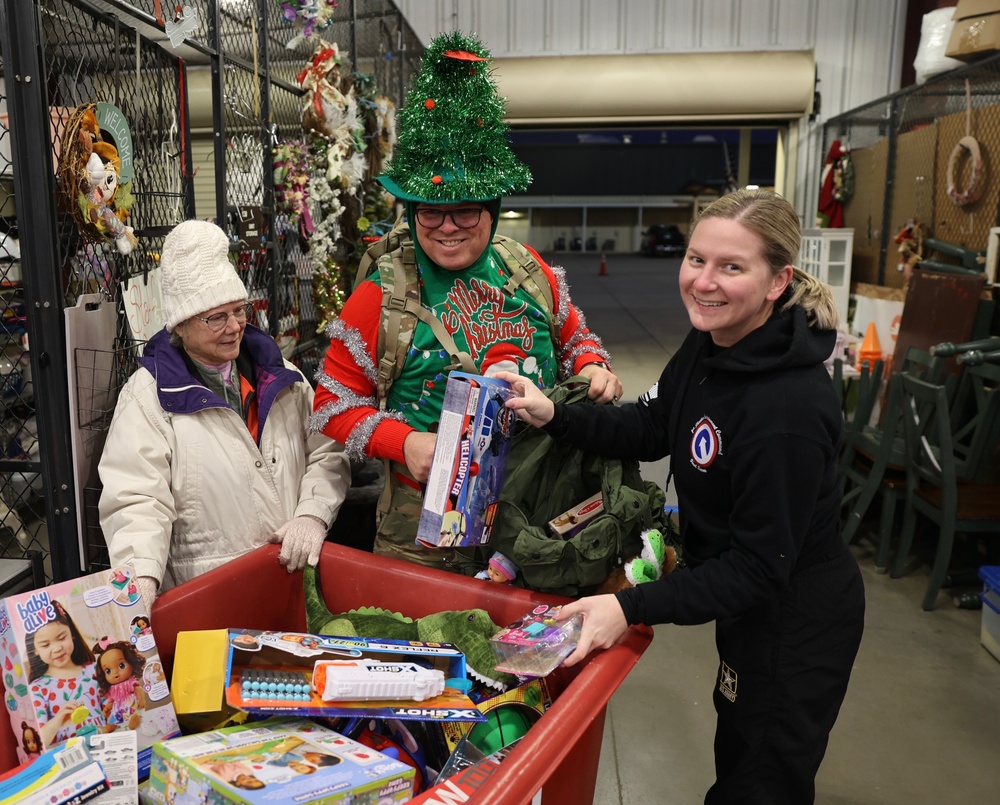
470,459
977,29
279,760
66,645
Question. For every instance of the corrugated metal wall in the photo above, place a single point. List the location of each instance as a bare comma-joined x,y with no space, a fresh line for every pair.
857,44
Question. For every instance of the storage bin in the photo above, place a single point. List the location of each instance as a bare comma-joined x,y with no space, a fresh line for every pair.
989,631
559,755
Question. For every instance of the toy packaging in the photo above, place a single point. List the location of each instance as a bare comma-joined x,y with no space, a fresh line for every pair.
290,673
470,456
79,658
275,761
536,644
67,774
571,522
509,715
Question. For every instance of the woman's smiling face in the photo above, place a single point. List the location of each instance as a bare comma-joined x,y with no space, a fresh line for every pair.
727,285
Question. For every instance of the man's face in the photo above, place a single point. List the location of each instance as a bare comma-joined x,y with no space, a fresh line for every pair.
449,245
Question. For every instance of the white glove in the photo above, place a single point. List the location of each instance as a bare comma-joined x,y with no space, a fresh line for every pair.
301,541
148,587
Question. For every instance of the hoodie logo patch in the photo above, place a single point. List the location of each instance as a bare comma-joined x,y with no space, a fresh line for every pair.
706,443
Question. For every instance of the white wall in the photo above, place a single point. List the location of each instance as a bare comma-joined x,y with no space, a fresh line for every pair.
857,44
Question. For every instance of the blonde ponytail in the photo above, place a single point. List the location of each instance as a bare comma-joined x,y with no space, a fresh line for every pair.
816,298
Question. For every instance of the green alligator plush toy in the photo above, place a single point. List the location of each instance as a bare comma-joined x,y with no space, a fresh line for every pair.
470,630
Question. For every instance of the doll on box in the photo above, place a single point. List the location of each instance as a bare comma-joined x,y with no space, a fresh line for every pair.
119,671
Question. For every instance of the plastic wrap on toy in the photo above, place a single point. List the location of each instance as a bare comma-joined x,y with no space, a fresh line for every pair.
537,643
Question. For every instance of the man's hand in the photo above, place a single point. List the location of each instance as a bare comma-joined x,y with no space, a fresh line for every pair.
605,387
418,451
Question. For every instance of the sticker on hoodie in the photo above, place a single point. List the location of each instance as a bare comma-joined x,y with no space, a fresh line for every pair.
706,443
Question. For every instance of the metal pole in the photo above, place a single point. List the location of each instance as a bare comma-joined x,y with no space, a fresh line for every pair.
34,189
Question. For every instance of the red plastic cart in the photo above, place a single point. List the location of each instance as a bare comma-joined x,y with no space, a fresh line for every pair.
559,755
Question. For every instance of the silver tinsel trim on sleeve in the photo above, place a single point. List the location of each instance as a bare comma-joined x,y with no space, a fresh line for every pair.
579,343
562,288
346,399
355,344
356,445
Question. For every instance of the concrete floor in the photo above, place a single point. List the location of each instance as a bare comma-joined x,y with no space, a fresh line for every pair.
921,722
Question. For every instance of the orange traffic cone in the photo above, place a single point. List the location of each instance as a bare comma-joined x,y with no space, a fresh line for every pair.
871,349
604,266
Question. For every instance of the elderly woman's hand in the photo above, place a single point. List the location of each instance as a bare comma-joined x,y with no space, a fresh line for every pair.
301,541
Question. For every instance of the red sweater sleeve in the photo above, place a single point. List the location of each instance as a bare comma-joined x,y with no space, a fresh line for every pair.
347,384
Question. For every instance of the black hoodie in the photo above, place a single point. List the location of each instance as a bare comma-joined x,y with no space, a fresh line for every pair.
754,434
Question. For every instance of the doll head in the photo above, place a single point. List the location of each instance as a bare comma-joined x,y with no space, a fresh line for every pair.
140,624
30,742
116,662
56,646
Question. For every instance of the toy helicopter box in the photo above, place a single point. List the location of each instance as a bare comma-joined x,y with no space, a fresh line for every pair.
287,673
276,761
79,658
470,458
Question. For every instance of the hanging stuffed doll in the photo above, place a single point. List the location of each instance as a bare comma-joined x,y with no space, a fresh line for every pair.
119,675
836,186
103,172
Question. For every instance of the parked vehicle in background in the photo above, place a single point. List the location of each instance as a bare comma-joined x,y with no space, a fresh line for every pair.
663,240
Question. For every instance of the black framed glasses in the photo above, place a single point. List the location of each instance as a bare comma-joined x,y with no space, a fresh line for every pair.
463,218
218,321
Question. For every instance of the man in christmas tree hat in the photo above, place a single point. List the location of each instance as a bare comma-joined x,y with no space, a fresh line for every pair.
485,302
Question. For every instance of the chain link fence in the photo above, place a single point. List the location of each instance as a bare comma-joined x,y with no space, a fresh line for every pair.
919,192
119,53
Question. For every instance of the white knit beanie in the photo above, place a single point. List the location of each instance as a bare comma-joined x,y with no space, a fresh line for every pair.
195,272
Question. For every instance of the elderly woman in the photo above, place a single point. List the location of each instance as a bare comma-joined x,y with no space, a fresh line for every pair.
208,454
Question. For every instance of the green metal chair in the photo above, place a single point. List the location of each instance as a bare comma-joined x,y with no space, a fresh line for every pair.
952,464
873,457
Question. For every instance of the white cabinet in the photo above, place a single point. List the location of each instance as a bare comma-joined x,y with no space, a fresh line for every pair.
826,254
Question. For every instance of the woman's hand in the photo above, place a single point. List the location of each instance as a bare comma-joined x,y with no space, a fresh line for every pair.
604,624
605,387
530,404
418,451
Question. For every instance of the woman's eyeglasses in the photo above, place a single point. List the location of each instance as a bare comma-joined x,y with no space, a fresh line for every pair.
463,218
217,321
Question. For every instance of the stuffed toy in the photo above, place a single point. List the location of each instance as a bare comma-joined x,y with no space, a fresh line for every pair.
103,170
470,630
656,559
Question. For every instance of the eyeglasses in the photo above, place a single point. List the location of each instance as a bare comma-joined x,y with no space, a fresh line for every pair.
463,218
218,321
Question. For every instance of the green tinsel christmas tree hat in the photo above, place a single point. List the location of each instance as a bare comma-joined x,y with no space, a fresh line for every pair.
452,143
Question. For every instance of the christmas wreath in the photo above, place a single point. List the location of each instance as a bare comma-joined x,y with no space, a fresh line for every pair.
971,193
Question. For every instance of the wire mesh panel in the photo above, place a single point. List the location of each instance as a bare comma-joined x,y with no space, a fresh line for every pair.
923,191
134,57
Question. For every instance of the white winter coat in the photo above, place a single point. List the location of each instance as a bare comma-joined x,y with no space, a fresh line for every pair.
186,492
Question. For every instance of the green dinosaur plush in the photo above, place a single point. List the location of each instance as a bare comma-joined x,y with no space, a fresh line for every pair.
470,630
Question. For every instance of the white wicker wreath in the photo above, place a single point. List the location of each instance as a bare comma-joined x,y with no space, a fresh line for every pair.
970,194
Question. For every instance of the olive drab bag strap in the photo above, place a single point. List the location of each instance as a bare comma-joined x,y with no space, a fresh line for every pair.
525,271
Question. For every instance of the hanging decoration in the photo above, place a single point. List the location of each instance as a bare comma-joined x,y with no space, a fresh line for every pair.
314,17
967,146
910,240
95,174
971,193
325,181
836,186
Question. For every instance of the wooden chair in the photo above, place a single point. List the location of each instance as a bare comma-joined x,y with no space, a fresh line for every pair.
874,456
950,450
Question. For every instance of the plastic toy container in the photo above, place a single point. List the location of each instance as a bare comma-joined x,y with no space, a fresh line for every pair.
989,632
560,754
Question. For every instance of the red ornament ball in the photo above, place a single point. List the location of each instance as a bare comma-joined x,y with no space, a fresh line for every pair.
429,103
435,179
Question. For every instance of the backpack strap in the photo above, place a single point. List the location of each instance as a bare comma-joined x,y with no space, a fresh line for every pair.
525,270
